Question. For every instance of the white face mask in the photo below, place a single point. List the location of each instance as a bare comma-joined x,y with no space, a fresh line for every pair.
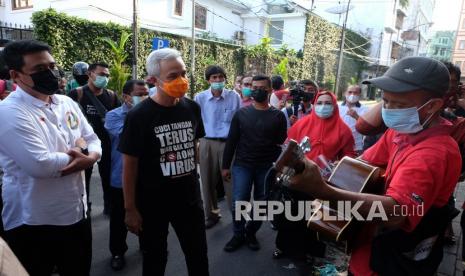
137,99
353,98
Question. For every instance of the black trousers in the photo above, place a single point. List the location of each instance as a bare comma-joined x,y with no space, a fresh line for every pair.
104,169
41,248
118,230
189,225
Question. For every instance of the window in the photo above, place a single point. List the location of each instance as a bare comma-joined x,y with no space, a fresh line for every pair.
178,7
442,52
200,17
462,45
276,32
443,40
21,4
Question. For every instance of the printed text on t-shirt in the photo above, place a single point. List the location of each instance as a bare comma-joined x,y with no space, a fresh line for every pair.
177,148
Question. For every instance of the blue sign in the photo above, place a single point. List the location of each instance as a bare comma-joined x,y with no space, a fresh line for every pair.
158,43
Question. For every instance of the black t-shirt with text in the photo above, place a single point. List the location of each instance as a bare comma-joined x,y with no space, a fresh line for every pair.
163,139
108,99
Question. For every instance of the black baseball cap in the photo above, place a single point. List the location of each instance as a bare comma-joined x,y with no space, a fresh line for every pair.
414,73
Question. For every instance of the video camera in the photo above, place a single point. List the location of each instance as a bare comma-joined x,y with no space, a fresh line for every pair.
297,92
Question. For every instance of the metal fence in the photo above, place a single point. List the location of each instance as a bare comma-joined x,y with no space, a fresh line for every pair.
10,32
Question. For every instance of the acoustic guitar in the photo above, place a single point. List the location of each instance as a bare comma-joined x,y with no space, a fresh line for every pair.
349,174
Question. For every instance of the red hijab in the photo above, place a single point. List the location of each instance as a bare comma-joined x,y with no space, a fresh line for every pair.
330,137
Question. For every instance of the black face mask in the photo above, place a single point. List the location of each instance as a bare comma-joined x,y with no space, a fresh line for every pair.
46,82
259,95
307,97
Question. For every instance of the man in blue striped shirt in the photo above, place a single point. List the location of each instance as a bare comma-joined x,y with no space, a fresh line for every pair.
218,106
134,91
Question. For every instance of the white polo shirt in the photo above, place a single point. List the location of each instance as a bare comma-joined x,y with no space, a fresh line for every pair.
34,139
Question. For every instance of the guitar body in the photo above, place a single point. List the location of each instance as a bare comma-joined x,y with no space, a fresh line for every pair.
350,175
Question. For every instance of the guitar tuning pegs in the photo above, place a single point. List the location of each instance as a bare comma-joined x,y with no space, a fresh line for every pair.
305,144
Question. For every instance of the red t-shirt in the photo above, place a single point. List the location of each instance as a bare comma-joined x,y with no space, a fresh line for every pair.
420,168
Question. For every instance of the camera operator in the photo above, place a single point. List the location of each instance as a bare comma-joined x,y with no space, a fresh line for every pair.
302,94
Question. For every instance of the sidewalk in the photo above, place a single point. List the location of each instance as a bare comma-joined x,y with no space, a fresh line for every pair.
452,262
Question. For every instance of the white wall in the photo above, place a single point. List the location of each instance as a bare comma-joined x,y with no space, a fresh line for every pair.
294,31
15,17
254,30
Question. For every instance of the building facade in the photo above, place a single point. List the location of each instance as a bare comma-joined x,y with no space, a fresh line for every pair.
395,31
458,54
231,21
441,45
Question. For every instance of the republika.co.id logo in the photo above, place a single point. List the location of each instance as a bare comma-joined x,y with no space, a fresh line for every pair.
317,210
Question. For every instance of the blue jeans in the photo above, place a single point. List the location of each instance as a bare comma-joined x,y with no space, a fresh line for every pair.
243,179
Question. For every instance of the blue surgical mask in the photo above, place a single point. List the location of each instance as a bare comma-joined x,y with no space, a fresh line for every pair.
405,120
137,99
100,81
246,92
324,110
217,85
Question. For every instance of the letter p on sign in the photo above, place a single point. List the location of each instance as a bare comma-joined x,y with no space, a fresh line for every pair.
158,43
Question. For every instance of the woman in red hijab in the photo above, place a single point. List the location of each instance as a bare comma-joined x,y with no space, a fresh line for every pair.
331,137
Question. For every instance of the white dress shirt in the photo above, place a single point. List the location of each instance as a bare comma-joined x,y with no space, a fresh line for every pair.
351,122
34,139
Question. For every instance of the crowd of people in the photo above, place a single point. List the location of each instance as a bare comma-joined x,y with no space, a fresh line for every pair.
150,143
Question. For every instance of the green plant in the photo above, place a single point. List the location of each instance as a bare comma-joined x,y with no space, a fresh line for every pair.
281,69
352,81
119,71
74,39
404,3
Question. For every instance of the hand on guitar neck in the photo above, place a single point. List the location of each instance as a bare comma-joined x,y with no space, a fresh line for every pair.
292,164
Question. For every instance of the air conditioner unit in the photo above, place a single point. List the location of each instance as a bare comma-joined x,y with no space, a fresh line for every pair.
239,35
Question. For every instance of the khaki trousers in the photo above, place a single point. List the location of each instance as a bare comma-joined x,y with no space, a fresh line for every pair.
211,163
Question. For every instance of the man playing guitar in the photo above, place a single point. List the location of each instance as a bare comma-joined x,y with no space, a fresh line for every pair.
422,166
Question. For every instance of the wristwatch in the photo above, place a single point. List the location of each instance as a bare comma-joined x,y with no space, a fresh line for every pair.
84,150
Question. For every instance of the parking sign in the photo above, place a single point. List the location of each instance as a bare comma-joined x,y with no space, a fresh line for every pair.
158,43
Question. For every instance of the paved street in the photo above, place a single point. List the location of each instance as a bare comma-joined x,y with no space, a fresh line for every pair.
244,262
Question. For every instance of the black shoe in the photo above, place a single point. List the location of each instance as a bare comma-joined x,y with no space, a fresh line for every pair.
278,254
117,262
252,242
211,222
234,244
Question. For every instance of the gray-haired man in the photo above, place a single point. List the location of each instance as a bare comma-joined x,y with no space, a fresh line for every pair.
160,183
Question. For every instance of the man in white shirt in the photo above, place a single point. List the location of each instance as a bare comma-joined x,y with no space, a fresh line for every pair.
218,105
43,155
350,110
